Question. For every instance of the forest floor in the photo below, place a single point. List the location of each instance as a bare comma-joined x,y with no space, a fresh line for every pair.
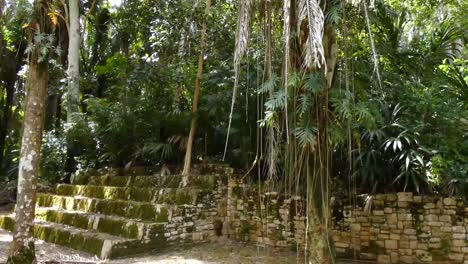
226,252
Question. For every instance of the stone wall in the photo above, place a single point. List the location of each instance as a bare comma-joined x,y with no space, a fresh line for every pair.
403,228
393,228
199,222
265,218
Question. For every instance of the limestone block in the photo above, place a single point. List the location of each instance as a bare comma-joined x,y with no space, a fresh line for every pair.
391,197
405,252
403,204
456,257
341,245
429,206
445,218
394,257
431,218
450,201
405,217
406,259
378,212
405,196
391,244
355,227
409,231
383,236
384,259
404,244
458,229
423,256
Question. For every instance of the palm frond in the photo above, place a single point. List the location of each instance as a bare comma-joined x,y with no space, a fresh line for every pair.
314,53
307,136
242,32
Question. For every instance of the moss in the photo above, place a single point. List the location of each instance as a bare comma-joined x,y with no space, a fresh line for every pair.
347,254
201,216
80,221
441,253
131,230
110,207
40,232
237,191
376,248
246,228
276,235
24,254
183,197
273,210
110,226
62,237
162,216
92,245
190,229
7,223
205,182
143,211
77,240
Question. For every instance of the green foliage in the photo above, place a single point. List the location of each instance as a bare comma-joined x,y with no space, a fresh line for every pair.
54,155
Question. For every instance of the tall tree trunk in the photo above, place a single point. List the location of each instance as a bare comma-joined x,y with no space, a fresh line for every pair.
9,89
73,61
22,247
2,5
196,97
319,217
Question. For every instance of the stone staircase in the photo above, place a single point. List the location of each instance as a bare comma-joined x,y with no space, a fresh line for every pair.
116,216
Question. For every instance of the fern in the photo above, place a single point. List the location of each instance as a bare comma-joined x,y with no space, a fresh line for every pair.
313,83
269,85
277,102
333,15
305,103
306,136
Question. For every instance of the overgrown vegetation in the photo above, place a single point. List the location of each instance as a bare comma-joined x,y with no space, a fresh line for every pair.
371,96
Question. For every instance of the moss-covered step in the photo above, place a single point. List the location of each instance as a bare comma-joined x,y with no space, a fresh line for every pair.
99,244
164,195
157,213
114,225
204,182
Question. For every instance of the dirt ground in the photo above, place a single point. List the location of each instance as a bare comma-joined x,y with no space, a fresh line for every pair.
226,252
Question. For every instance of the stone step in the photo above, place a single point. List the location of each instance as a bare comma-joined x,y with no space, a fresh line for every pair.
164,195
102,245
145,211
204,182
113,225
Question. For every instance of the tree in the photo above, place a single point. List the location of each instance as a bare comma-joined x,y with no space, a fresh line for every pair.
22,247
73,60
196,97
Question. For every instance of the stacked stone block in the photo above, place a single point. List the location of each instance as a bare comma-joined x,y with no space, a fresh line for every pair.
385,228
404,228
266,218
